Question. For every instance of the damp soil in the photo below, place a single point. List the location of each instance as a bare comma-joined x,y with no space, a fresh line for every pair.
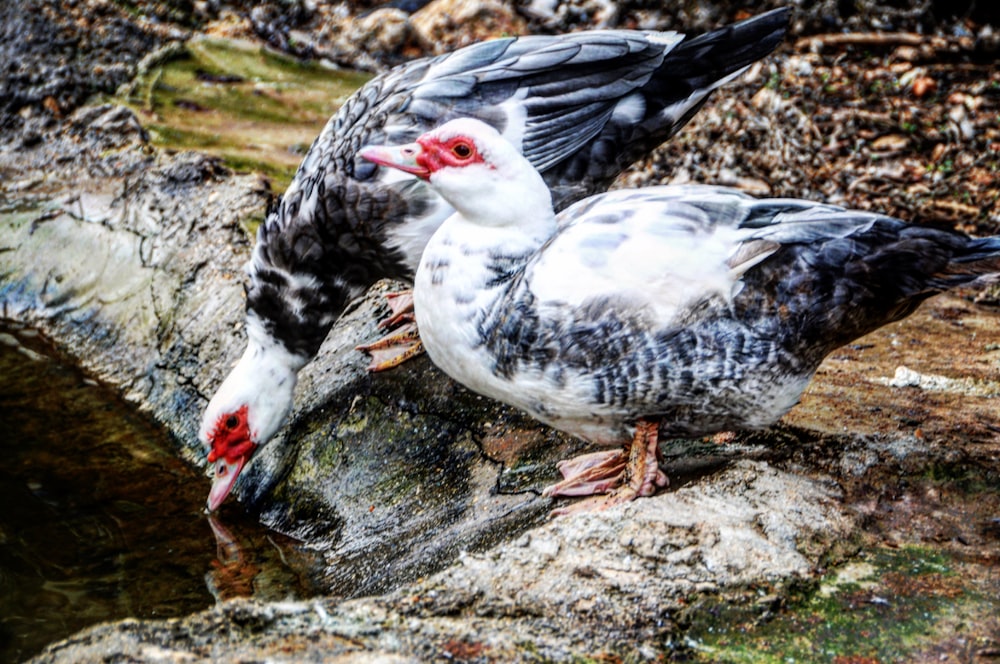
101,520
904,420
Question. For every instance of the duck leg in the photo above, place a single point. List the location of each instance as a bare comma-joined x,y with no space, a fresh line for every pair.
638,475
399,346
644,476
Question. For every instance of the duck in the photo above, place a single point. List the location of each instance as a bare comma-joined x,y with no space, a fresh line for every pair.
666,311
581,107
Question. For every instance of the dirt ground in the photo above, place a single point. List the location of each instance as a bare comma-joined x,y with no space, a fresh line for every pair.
888,123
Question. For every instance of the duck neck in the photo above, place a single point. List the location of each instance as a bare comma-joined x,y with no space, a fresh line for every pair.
466,270
489,257
466,279
310,262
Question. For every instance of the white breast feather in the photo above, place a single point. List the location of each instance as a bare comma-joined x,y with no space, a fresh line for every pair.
411,237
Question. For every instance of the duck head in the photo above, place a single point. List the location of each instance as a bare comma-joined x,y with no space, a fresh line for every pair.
247,410
478,171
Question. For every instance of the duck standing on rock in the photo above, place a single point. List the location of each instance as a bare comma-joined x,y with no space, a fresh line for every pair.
665,311
580,107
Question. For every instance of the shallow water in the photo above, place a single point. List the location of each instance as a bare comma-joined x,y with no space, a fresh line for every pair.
101,521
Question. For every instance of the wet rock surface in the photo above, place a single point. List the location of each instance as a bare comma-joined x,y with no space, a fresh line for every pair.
118,257
623,578
423,497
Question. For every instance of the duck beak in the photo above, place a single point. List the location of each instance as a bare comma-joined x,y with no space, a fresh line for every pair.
405,158
225,475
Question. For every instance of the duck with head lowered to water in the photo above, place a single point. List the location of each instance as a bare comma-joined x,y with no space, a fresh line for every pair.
581,107
665,311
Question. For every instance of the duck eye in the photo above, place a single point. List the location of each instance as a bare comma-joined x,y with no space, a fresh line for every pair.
462,150
231,422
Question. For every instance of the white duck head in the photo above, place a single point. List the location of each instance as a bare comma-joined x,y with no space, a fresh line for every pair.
475,169
247,410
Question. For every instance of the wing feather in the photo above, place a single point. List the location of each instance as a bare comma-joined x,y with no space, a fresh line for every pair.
666,248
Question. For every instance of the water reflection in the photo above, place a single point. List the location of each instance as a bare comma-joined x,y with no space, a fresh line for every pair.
100,521
233,571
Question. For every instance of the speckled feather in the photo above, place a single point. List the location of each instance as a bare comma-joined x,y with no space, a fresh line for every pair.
699,306
581,107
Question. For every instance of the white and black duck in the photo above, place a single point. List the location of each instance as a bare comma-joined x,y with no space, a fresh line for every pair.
666,311
581,107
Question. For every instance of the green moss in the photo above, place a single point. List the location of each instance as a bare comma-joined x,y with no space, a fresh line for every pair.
175,11
903,602
251,224
254,109
966,477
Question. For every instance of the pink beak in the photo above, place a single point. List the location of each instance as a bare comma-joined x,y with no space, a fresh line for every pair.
225,477
400,157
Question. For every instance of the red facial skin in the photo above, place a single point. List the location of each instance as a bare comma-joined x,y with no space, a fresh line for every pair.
456,151
425,157
231,437
231,449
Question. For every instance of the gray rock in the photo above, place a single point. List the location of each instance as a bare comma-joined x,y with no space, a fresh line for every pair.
443,26
57,54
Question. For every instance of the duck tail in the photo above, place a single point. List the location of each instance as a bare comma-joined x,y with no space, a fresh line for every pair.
712,58
977,262
695,68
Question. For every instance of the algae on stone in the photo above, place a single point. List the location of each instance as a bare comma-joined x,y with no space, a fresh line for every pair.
257,109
